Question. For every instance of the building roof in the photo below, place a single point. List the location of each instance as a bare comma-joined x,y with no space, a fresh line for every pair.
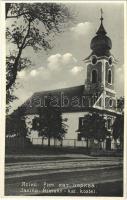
72,99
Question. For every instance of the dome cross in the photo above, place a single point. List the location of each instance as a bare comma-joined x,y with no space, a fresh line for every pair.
101,15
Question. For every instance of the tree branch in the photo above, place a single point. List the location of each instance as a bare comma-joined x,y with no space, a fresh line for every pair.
16,16
28,31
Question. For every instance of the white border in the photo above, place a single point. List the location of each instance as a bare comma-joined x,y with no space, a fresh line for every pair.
2,98
125,94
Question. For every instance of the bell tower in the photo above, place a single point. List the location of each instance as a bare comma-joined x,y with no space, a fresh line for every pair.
100,70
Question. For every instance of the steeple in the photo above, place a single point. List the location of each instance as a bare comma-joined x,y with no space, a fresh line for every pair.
101,30
101,44
101,70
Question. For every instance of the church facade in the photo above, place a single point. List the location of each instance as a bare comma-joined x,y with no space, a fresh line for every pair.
96,95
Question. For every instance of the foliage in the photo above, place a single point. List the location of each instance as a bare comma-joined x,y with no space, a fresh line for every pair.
25,32
23,63
50,123
94,127
15,123
118,128
118,125
120,104
10,97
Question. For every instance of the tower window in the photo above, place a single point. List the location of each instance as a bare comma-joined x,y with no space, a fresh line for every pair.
94,60
94,76
110,102
109,76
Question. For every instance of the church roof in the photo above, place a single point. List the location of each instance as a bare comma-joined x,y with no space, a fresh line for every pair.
72,99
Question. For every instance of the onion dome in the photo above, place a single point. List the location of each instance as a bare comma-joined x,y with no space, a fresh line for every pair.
101,44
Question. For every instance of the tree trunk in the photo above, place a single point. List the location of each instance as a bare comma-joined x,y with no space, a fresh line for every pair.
48,141
61,143
14,70
42,141
121,144
115,144
87,143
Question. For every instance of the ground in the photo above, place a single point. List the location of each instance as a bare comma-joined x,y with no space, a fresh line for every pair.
69,174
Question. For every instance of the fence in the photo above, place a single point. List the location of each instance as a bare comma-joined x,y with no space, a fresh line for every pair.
74,143
21,143
64,143
16,142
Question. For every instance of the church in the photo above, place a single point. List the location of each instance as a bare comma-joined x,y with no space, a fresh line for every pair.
96,95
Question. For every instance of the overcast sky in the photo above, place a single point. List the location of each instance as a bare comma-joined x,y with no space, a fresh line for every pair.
63,66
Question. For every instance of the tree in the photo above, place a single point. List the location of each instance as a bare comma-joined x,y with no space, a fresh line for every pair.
15,123
50,123
118,125
25,32
118,129
23,63
93,127
120,104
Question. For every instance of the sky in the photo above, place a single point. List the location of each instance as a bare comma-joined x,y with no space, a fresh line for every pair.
63,65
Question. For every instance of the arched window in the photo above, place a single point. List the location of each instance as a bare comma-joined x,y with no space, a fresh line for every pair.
109,76
94,76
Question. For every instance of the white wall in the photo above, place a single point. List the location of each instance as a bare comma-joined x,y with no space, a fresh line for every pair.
73,122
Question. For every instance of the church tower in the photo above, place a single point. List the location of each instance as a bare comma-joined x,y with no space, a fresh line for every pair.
101,70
